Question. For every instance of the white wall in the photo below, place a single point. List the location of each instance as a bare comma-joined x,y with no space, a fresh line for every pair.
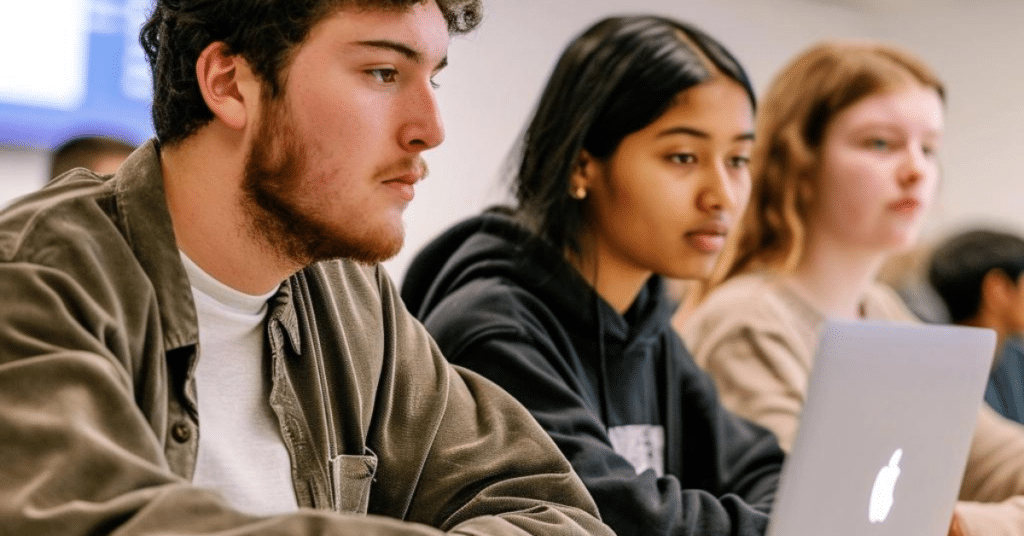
496,74
21,171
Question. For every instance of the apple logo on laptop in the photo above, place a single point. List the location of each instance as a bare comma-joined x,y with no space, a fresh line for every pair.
882,491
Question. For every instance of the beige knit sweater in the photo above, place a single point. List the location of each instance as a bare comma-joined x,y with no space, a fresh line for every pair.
757,338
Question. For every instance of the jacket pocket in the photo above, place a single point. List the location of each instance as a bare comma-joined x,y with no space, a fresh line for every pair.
351,477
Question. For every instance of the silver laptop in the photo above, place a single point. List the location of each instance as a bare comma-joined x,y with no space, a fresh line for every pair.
885,431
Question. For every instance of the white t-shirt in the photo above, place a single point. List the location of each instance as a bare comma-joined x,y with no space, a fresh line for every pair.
241,452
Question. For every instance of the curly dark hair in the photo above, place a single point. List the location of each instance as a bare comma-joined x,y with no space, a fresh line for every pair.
264,32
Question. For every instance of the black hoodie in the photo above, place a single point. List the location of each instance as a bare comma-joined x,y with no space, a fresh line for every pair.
518,313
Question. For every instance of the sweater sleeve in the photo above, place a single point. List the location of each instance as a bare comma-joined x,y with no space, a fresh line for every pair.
632,504
992,494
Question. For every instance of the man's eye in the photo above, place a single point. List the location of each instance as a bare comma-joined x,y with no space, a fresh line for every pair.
383,76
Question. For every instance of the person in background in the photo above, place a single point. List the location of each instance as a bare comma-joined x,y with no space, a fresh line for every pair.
633,168
906,273
844,168
205,341
979,275
101,154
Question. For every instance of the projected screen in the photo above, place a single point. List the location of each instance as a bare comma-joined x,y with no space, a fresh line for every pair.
72,68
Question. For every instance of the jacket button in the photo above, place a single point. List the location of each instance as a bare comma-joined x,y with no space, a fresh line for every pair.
181,432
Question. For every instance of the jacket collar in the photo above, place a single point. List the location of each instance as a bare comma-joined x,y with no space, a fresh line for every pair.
282,309
146,223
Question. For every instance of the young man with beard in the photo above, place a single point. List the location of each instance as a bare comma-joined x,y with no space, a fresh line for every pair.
203,343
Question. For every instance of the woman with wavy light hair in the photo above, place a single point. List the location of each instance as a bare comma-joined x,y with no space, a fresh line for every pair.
843,170
804,99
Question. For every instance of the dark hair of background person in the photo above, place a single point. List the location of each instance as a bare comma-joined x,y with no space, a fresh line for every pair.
86,152
614,79
959,265
264,32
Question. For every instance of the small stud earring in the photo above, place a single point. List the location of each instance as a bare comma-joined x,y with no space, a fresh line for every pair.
579,193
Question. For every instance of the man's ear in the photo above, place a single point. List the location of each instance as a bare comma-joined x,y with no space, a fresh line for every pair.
997,290
229,87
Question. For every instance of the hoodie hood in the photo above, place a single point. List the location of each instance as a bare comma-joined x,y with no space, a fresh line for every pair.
495,245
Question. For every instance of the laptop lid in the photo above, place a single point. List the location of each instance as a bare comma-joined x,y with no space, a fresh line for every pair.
885,431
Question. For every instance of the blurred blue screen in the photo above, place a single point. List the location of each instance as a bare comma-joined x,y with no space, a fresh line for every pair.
72,68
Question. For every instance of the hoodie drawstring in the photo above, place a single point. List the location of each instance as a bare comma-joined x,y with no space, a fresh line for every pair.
603,376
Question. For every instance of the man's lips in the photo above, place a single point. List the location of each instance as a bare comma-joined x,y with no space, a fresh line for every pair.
403,181
404,185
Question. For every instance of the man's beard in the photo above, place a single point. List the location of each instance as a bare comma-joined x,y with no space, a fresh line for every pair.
280,219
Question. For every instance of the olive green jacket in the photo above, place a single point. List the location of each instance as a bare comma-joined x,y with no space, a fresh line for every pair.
98,417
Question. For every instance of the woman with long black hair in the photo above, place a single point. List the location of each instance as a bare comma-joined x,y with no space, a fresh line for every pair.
634,167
